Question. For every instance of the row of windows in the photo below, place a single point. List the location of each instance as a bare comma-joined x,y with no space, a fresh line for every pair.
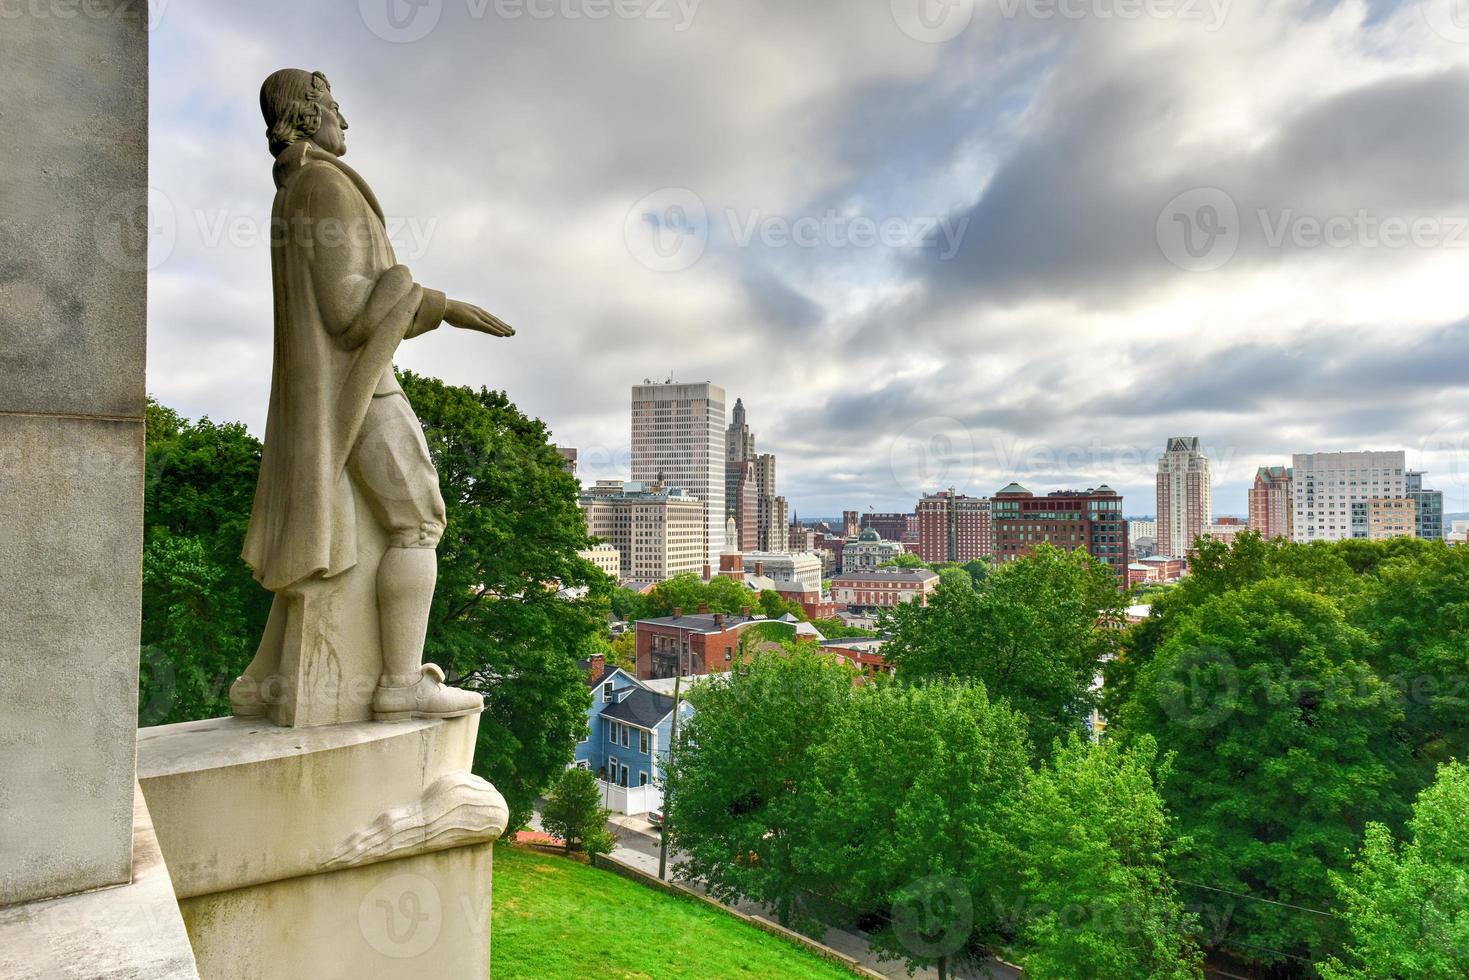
620,734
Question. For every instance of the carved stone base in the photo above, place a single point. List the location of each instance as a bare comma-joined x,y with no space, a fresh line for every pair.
346,850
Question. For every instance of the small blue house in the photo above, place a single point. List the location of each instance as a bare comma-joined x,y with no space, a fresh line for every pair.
629,728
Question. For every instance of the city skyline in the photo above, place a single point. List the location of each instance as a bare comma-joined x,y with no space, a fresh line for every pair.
1057,323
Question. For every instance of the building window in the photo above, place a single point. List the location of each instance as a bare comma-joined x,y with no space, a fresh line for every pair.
643,742
612,769
642,779
612,733
607,691
626,737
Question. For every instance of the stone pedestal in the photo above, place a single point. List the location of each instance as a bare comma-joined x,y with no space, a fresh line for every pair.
359,849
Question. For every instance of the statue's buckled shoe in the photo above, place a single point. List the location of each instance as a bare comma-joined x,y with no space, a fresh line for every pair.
424,695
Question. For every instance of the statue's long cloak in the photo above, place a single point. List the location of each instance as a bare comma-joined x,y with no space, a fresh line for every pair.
342,306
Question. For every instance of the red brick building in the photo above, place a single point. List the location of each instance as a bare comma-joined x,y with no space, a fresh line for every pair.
703,643
883,588
889,527
1270,502
954,528
1068,519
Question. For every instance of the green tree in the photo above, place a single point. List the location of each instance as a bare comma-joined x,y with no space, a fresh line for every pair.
630,606
735,778
1035,633
622,650
1407,906
574,813
499,623
1283,744
1417,613
773,606
688,592
902,820
1093,835
905,560
834,628
202,611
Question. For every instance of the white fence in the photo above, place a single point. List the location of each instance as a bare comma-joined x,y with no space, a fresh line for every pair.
631,800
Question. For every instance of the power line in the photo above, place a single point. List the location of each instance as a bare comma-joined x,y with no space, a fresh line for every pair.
1254,898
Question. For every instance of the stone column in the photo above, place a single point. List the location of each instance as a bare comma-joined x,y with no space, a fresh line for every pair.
84,890
73,294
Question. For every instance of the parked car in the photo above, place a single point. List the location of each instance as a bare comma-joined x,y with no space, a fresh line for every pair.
655,817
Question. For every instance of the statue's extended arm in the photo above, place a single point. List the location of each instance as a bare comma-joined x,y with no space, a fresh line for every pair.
470,317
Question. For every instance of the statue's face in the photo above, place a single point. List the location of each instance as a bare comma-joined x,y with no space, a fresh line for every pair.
331,133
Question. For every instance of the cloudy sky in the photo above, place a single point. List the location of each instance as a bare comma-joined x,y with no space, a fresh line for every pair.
928,242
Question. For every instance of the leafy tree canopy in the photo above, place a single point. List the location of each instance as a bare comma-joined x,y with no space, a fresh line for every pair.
1035,633
1406,905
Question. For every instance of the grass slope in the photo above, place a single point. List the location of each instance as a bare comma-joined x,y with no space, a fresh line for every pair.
558,918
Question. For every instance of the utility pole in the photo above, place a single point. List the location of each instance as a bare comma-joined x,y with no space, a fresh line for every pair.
672,741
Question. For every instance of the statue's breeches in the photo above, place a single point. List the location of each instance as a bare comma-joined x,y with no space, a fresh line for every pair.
392,468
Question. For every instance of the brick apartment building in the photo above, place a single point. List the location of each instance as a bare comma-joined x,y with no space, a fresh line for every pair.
1068,519
1270,502
704,643
883,588
954,528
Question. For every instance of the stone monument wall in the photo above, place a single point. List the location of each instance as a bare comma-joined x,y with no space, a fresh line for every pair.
73,293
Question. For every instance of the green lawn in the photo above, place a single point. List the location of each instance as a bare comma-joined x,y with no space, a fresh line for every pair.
559,918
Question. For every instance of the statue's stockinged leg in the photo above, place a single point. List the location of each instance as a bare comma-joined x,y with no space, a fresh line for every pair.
409,688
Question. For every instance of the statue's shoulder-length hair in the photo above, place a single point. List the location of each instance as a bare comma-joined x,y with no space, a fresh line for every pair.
291,102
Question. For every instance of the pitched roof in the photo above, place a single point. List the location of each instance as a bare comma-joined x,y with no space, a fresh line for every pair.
699,622
642,708
607,671
888,575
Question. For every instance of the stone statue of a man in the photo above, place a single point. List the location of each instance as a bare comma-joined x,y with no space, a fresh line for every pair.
340,432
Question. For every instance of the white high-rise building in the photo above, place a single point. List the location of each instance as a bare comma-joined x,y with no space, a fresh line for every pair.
678,441
1335,495
1185,497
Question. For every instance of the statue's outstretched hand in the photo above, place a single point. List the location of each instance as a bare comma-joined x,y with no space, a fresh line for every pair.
467,316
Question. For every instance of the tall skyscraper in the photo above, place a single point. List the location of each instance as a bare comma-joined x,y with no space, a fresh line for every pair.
678,440
1334,492
1270,502
739,441
771,530
742,504
1185,496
